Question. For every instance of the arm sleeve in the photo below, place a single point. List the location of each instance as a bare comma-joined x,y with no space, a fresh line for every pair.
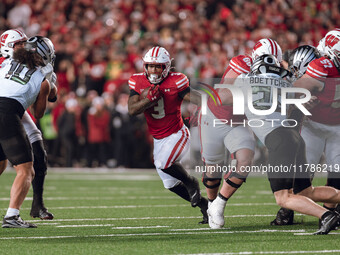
133,92
182,93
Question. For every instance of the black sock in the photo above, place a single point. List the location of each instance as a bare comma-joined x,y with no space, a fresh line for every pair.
181,191
38,189
325,215
222,197
178,172
203,203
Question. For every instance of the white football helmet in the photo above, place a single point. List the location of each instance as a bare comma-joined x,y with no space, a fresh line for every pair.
300,58
43,46
8,39
267,46
332,46
157,55
321,46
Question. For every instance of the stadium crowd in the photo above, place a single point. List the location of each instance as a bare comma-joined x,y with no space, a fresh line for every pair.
99,45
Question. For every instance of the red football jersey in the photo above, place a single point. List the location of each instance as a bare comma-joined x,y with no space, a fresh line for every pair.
240,64
2,59
165,117
328,110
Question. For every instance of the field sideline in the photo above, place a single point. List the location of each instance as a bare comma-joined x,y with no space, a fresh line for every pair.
129,212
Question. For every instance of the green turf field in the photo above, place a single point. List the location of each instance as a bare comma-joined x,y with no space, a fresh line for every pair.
130,212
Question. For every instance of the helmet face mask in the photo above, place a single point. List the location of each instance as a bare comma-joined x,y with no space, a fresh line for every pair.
43,46
9,39
266,59
267,46
157,56
268,66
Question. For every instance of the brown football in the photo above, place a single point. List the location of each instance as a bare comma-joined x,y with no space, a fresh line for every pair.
144,93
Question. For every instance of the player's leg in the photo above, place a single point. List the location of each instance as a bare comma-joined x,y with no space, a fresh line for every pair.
213,152
332,153
284,147
40,168
212,180
315,143
176,146
167,153
16,147
243,150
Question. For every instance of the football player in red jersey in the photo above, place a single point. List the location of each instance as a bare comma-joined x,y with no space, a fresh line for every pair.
162,110
321,130
239,140
10,41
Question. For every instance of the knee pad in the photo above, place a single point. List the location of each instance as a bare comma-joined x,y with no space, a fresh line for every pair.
205,179
40,158
238,176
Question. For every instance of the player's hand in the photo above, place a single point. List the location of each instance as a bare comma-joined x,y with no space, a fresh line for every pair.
53,79
314,101
154,94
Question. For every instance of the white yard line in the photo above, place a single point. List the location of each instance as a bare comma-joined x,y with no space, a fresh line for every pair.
153,234
107,225
152,218
97,198
267,252
310,234
141,206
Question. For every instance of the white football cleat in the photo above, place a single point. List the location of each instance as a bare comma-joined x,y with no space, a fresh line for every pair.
216,213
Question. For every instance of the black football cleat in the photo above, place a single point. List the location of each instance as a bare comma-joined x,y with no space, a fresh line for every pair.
194,192
16,222
204,207
283,217
328,223
41,213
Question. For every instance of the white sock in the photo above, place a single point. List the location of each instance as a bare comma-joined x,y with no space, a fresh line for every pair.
220,201
11,212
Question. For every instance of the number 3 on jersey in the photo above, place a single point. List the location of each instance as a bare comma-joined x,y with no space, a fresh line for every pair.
159,109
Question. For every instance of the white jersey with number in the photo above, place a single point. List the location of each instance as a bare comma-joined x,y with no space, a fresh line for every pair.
20,83
261,89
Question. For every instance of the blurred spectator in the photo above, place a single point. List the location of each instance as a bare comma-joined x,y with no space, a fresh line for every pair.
99,44
98,119
67,131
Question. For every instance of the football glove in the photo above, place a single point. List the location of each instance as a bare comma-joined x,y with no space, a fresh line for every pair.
154,94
